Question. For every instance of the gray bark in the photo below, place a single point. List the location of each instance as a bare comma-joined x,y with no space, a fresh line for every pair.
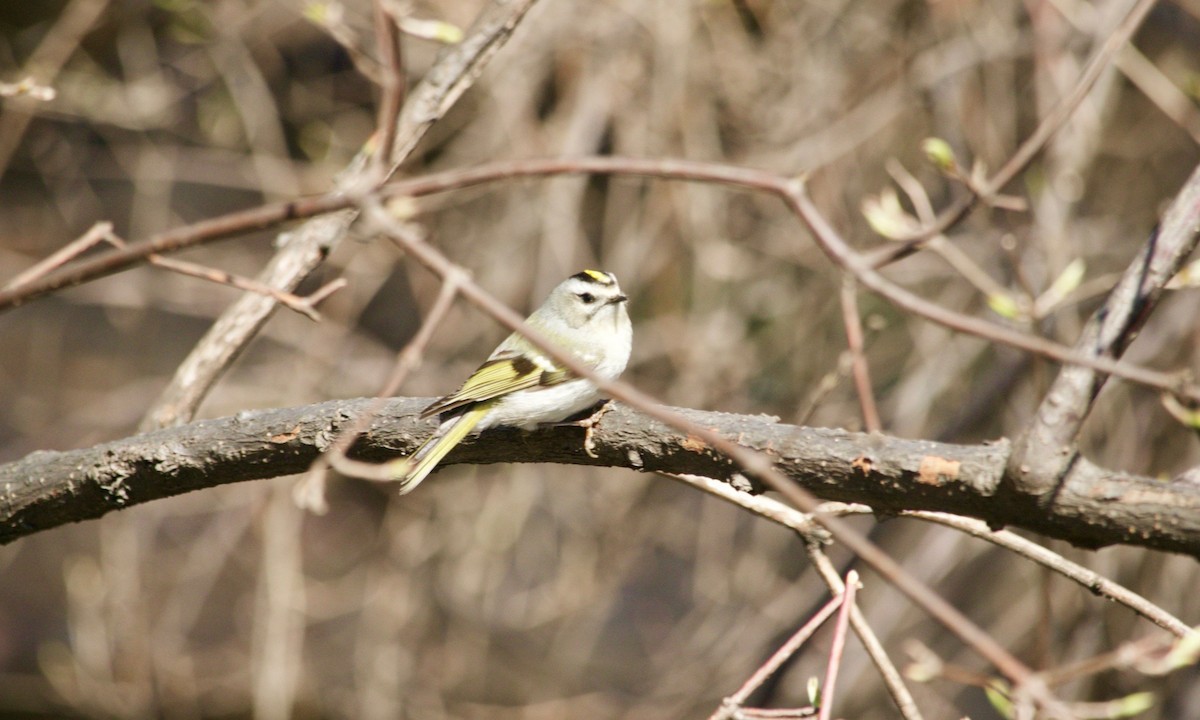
1095,507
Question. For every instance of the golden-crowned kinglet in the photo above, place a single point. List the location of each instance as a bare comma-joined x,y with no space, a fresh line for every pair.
520,386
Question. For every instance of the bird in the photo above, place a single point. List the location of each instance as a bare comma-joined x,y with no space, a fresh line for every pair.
520,386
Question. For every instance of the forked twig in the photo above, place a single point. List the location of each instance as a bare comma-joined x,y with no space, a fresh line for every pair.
102,232
732,705
98,233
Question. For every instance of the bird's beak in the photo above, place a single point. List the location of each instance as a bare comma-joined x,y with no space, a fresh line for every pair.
618,299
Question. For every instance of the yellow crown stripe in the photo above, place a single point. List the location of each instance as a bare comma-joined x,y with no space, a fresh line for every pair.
601,277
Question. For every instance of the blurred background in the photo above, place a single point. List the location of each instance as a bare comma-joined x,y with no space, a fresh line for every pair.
546,591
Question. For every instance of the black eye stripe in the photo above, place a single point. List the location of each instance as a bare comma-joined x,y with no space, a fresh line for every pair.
587,297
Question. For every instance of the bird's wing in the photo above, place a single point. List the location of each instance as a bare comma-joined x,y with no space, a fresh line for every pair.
502,374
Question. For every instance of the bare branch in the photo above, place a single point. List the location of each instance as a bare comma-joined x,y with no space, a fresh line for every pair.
732,706
899,691
792,192
1032,145
1046,449
96,234
1090,579
852,321
47,489
838,646
388,43
301,252
75,21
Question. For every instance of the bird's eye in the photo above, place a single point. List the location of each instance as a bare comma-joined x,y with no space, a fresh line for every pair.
587,298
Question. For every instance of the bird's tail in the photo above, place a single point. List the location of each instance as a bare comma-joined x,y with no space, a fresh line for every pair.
428,456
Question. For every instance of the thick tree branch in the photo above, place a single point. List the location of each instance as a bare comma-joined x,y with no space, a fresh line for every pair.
1095,508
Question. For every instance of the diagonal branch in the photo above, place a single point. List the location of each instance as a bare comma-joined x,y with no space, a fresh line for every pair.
456,69
303,250
1046,450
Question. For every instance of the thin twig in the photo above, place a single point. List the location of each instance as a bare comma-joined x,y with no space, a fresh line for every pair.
899,691
1094,582
792,192
1154,83
303,305
814,537
761,505
925,665
306,306
938,244
57,45
221,227
103,232
731,706
838,646
838,250
1090,580
98,233
1152,655
393,83
1032,145
1160,90
821,389
852,321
